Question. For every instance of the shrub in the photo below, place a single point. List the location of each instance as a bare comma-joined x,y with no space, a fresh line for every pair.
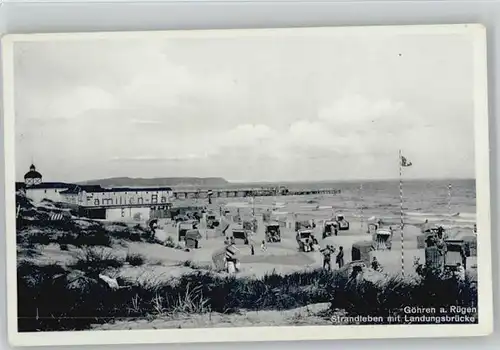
94,260
63,246
195,265
135,259
39,238
135,237
94,236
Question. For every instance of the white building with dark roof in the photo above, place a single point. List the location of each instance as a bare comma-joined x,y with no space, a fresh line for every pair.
37,190
96,201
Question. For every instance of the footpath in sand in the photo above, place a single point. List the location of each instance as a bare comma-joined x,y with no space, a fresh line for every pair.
303,316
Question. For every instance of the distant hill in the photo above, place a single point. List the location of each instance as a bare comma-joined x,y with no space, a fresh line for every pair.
165,181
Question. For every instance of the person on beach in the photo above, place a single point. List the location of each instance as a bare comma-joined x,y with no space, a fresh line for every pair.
307,245
375,264
460,273
231,261
327,258
314,241
340,257
311,243
252,249
425,227
263,246
440,239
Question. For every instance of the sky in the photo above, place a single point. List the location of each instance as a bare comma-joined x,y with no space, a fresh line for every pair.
253,108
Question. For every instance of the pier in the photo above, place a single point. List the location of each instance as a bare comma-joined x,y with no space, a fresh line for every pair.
249,192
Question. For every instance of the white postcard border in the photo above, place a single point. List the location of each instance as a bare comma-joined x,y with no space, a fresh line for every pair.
252,334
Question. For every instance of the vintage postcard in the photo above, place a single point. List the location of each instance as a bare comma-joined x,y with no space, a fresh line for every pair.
247,185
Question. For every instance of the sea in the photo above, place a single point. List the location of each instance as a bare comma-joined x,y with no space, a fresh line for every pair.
433,200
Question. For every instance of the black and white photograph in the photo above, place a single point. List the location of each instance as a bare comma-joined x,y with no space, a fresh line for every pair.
227,180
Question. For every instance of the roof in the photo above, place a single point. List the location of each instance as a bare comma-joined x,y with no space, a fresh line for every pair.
383,232
273,223
98,188
32,174
360,244
51,185
75,189
72,190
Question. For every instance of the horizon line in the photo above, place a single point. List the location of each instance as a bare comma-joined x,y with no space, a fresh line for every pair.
273,181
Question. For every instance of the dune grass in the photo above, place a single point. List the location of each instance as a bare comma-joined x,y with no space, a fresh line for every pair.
389,297
95,260
45,232
135,259
50,300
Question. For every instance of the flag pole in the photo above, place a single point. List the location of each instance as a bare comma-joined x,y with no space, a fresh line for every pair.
401,212
361,205
449,199
253,204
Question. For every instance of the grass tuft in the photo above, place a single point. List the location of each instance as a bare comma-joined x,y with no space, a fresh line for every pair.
135,259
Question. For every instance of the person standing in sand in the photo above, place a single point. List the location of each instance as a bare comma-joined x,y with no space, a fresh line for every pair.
375,264
327,258
263,246
460,273
230,258
340,257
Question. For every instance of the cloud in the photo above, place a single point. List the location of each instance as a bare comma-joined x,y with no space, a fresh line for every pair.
358,111
247,135
244,108
350,126
73,103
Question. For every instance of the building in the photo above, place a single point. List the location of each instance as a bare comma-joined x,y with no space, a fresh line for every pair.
125,202
32,177
36,190
99,202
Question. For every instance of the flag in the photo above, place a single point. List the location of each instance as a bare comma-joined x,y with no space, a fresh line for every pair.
405,162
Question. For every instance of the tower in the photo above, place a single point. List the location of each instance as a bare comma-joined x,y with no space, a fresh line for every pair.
32,177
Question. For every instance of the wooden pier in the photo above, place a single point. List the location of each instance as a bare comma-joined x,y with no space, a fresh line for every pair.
249,192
